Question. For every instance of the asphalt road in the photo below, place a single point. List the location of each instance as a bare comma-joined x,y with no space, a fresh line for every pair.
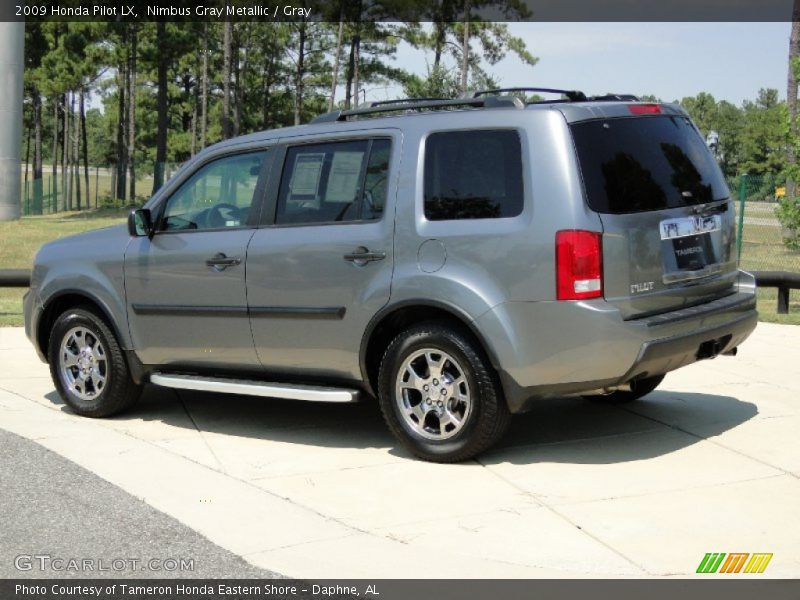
52,507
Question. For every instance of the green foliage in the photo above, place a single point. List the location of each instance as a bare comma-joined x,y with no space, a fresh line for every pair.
752,139
788,213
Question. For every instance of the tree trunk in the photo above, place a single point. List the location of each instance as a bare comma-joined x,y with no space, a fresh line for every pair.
337,58
66,181
161,109
85,147
267,91
66,162
26,208
54,174
132,114
227,40
299,74
119,188
465,49
76,152
348,92
193,148
438,48
237,94
37,153
204,92
791,101
356,62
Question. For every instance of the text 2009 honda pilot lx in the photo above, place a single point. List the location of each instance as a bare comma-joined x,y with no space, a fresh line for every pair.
458,261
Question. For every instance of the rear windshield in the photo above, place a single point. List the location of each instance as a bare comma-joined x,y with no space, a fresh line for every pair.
646,163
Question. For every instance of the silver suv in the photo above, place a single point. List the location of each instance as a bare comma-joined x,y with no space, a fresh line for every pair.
456,259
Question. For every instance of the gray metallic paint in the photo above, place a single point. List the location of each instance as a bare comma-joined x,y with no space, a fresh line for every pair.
498,276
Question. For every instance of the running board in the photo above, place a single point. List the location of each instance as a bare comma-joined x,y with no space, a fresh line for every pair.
255,388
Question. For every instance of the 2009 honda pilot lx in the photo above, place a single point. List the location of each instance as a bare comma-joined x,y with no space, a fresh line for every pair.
457,261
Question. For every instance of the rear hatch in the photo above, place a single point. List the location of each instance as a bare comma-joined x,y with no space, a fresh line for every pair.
668,223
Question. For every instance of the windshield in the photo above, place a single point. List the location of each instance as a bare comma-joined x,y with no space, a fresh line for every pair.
646,163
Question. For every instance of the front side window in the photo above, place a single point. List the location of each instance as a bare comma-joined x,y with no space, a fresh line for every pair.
218,196
473,175
334,182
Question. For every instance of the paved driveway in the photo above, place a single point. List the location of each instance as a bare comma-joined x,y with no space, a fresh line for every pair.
709,463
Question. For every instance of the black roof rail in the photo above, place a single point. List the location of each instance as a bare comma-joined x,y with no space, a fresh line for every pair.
400,101
574,95
613,97
420,104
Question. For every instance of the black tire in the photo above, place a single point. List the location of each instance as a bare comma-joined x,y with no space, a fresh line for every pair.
118,391
488,416
641,388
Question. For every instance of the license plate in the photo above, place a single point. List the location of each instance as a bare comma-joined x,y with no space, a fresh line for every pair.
689,226
693,252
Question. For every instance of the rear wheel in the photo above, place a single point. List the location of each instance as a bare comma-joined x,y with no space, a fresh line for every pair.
639,388
440,395
88,367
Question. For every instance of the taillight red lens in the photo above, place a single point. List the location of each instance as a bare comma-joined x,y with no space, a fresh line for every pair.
645,109
579,265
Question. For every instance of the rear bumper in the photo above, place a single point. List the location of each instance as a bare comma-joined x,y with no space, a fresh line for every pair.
664,355
546,349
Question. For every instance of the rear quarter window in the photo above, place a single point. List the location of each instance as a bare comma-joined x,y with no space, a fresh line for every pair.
640,164
473,175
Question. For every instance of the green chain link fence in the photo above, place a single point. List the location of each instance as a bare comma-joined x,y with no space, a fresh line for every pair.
47,195
763,243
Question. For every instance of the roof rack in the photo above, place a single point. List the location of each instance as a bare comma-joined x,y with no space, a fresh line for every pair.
613,97
574,95
419,104
374,103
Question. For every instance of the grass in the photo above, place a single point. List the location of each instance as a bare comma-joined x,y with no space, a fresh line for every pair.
762,249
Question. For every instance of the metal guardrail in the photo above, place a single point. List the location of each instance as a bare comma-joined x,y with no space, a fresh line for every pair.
784,281
15,278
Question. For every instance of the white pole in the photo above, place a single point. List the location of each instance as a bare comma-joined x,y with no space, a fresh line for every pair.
12,44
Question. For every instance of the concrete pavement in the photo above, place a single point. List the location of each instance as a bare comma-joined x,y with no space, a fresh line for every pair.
55,512
709,463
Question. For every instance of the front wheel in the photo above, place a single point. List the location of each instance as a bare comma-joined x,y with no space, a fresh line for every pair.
440,395
88,367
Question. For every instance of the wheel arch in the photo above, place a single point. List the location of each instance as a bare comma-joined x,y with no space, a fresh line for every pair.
64,300
390,321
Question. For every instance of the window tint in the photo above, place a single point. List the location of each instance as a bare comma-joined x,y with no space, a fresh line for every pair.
646,163
219,195
337,181
473,175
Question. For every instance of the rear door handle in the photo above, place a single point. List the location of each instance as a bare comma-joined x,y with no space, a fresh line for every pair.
363,256
220,262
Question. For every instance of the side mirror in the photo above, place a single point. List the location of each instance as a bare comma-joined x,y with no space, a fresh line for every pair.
140,222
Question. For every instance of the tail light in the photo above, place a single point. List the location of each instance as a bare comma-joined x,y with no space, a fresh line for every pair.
579,265
645,109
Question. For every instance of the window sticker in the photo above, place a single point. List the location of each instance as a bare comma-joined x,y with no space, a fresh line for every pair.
344,177
306,175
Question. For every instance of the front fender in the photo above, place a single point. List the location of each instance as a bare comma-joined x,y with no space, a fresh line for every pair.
88,265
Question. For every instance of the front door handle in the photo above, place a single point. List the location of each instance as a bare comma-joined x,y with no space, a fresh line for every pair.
220,262
363,256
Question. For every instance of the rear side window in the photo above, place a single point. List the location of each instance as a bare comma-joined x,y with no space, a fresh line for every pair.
647,163
334,182
473,175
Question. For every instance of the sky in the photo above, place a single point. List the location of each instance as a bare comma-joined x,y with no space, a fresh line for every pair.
669,60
